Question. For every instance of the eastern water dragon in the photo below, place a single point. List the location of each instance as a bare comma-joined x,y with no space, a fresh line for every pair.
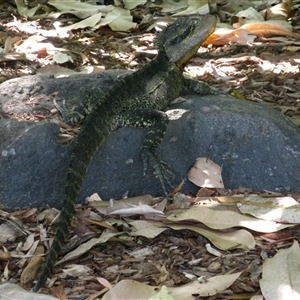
134,100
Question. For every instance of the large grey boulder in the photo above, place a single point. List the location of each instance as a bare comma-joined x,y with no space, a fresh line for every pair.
36,93
256,146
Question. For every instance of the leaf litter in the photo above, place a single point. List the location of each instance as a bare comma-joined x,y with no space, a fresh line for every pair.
210,247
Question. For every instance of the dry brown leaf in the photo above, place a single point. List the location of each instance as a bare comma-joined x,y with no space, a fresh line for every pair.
206,173
4,255
125,289
208,286
281,275
31,271
263,29
239,36
58,291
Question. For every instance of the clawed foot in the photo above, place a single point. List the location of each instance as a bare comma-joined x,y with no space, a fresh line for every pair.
201,88
69,116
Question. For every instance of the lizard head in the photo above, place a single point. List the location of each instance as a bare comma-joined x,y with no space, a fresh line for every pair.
182,39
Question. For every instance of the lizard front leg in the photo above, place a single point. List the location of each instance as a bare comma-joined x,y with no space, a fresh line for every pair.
156,122
199,87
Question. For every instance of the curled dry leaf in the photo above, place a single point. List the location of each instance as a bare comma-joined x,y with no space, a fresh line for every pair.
280,274
263,29
104,282
206,173
4,256
31,271
135,210
278,209
239,36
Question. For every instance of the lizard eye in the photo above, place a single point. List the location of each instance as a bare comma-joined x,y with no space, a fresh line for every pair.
178,39
194,22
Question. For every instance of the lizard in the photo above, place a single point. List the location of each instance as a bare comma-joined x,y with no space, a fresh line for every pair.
136,99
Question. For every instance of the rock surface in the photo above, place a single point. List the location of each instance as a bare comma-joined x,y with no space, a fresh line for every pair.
256,146
32,94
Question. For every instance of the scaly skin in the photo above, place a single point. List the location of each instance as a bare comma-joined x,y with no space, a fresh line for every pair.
151,88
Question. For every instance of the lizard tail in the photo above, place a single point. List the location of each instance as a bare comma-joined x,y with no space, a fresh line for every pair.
87,143
63,226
